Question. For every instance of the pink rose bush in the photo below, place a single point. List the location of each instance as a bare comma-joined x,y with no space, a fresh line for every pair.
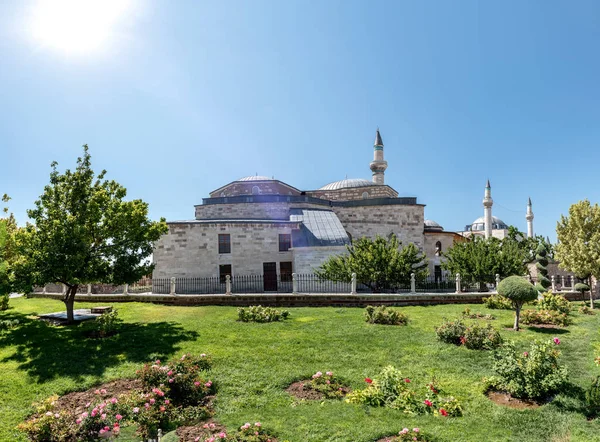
327,384
246,433
391,389
409,435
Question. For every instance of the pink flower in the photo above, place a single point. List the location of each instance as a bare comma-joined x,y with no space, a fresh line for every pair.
162,408
222,435
85,414
197,439
94,412
136,410
416,430
556,341
147,405
97,392
171,380
196,383
428,402
157,362
113,400
118,417
48,413
329,373
103,391
167,401
170,372
257,424
102,431
245,426
208,384
103,416
107,428
327,381
525,353
183,357
404,431
443,412
368,380
203,355
317,375
152,400
78,421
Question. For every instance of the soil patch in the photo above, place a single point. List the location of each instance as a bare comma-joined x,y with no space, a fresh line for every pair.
190,433
302,391
95,334
506,400
77,402
534,326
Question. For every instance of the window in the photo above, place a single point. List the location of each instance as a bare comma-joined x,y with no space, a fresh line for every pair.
285,270
285,242
438,248
255,190
365,195
224,243
224,270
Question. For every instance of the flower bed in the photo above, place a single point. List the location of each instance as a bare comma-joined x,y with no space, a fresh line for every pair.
384,315
212,432
408,435
320,386
474,336
544,317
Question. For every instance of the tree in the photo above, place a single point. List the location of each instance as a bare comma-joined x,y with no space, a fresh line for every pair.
518,291
8,229
578,248
480,259
530,245
380,264
542,267
85,232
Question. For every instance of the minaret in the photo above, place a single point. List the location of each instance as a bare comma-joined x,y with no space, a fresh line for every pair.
487,210
378,165
529,218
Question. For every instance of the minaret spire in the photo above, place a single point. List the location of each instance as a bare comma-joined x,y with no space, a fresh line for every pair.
378,165
529,218
487,209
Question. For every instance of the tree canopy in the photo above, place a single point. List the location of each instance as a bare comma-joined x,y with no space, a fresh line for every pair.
518,291
578,248
84,232
530,245
8,253
381,264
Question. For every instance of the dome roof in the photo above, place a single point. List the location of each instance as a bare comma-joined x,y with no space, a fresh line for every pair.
347,183
497,224
256,178
432,225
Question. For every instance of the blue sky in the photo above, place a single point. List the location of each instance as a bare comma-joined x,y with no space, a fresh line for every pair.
184,97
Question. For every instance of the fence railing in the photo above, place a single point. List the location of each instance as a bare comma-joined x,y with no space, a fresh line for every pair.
297,283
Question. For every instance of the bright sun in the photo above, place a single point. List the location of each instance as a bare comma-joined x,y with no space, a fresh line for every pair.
77,26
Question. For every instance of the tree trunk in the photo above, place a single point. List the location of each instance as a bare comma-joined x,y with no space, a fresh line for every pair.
591,296
517,315
69,301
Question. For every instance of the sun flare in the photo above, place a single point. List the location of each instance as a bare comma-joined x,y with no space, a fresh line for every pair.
77,26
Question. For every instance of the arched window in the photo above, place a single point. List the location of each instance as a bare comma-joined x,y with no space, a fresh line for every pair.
438,248
349,236
255,190
365,195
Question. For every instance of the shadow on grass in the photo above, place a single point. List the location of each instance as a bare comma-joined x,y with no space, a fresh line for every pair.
46,352
548,330
572,399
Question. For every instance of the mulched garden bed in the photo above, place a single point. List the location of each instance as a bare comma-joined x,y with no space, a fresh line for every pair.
301,391
506,400
190,433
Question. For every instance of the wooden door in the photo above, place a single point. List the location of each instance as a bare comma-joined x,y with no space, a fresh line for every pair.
270,276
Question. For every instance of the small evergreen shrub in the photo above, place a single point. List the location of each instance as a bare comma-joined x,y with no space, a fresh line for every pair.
550,301
4,299
592,398
451,332
384,315
8,324
553,317
478,337
534,374
497,302
257,313
107,323
391,389
581,287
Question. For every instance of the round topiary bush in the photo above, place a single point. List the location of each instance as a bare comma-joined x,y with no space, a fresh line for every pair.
581,287
518,291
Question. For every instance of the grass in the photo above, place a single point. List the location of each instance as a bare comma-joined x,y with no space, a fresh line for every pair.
253,363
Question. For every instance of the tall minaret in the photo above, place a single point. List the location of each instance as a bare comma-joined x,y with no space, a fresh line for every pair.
487,210
529,218
378,165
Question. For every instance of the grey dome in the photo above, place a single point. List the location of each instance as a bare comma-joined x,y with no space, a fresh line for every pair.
255,178
432,225
348,183
479,224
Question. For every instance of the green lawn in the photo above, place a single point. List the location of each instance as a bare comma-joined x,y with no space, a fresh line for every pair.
253,363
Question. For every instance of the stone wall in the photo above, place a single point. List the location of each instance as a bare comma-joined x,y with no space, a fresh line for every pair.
354,193
191,249
406,221
246,188
431,238
270,210
307,259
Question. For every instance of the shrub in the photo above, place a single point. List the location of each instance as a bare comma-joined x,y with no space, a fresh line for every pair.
150,411
327,384
384,315
451,332
48,425
7,324
102,420
410,435
592,398
246,433
466,313
391,389
534,374
478,337
518,291
107,323
184,378
586,310
542,268
4,299
257,313
545,317
497,302
550,301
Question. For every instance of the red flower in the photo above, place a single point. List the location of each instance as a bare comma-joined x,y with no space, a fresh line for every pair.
463,340
407,380
428,402
368,380
443,412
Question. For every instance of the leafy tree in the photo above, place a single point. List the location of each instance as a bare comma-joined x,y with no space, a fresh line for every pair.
530,245
518,291
380,264
8,229
578,248
84,233
480,259
542,267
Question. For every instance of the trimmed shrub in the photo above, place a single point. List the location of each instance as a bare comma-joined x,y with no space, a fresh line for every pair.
391,389
542,268
550,301
451,332
534,374
478,337
581,287
258,313
384,315
518,291
552,317
4,299
497,302
592,398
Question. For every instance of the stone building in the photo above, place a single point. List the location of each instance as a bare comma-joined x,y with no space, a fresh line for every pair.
262,226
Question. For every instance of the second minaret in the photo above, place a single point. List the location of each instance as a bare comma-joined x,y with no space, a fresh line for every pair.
487,210
378,165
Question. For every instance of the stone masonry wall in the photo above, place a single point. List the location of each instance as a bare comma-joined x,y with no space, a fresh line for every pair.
406,221
274,211
354,193
306,259
431,238
191,249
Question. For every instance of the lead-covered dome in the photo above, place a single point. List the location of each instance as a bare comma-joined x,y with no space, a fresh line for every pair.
348,183
479,224
432,226
256,178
